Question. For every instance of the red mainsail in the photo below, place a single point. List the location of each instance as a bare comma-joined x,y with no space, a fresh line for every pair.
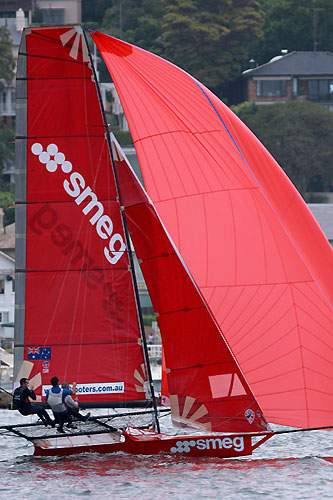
207,388
258,256
76,313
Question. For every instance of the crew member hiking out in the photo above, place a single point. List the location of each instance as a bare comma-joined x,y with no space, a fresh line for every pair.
55,397
72,406
21,402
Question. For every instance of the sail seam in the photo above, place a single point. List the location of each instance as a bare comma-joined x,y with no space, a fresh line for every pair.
65,270
80,63
264,301
52,344
268,346
39,79
186,309
282,373
232,285
59,136
261,189
301,354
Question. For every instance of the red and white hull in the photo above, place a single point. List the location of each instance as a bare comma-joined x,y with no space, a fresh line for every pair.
137,441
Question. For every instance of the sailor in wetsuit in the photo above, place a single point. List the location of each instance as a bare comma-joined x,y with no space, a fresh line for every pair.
55,397
21,402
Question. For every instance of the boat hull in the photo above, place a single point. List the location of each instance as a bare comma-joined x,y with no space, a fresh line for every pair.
136,441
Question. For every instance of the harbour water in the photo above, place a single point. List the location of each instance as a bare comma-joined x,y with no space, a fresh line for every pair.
291,466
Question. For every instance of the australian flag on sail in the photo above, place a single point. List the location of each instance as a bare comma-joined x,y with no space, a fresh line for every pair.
39,353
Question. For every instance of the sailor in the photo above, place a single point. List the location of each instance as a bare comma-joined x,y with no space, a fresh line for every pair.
21,402
72,405
55,397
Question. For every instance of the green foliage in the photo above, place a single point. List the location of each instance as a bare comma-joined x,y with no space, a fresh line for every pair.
299,135
6,189
123,137
210,38
289,24
244,109
7,62
7,203
6,150
148,319
93,11
137,22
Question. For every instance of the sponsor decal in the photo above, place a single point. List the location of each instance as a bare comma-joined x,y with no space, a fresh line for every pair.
165,400
39,353
250,415
46,366
75,187
67,39
97,388
236,443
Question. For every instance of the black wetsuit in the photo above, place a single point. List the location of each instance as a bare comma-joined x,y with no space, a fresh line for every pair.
22,403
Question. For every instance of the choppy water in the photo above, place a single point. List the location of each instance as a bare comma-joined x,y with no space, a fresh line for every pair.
286,467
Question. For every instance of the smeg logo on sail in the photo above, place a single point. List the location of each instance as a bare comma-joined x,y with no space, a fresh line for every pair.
76,188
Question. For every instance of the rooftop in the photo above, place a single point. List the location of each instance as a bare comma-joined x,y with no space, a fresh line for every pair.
296,64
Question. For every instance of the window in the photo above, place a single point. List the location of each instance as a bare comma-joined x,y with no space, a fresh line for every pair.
3,101
320,90
12,103
4,317
2,286
53,16
271,88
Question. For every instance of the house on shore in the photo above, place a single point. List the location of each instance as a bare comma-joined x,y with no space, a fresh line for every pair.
302,76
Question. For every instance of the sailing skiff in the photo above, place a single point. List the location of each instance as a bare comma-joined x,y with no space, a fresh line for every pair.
238,271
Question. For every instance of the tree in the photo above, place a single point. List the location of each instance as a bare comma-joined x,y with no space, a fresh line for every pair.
6,151
294,25
94,11
7,203
207,38
136,21
7,62
299,135
210,38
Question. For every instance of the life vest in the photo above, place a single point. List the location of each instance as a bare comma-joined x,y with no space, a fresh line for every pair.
56,400
19,402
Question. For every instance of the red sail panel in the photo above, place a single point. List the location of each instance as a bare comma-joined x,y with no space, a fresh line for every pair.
207,388
257,254
81,320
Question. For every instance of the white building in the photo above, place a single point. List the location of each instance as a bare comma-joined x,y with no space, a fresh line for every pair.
60,11
7,299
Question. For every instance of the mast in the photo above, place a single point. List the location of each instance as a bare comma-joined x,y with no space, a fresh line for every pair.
20,205
128,243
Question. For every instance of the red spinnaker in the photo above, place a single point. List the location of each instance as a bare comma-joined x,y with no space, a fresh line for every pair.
207,388
80,317
251,244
